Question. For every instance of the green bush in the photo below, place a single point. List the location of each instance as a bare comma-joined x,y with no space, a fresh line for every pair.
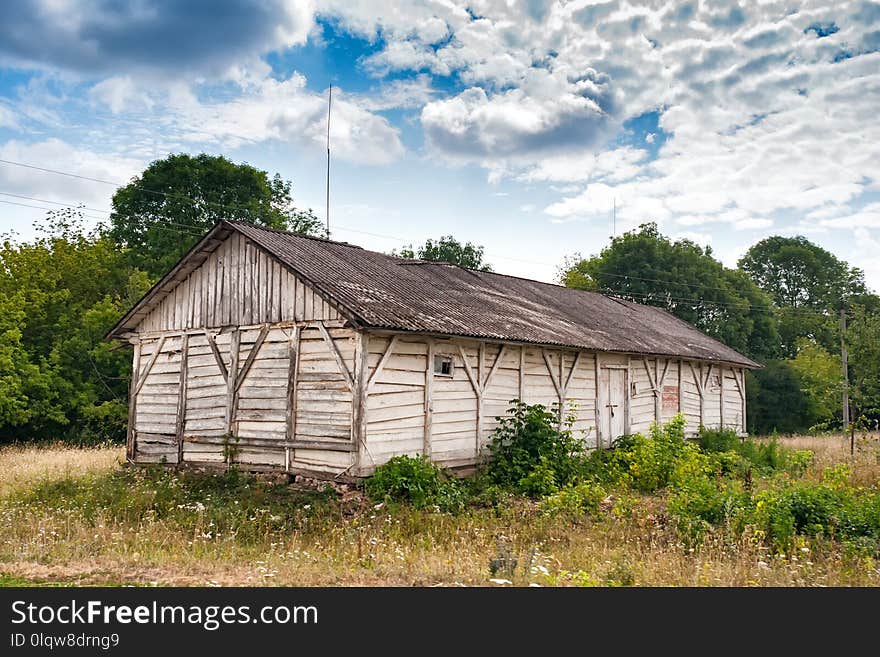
416,481
643,464
531,454
766,456
583,499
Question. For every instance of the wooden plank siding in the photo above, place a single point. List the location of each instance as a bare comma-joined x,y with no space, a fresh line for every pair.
349,401
238,284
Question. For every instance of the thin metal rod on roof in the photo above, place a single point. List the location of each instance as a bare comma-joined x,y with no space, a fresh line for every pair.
329,104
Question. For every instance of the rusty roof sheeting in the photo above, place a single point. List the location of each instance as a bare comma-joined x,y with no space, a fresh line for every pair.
383,291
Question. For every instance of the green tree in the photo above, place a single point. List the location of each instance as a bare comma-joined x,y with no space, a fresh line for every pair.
776,400
808,285
686,280
863,343
820,376
448,249
162,212
59,294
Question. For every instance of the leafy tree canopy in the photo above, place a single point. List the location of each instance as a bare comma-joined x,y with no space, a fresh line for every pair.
799,274
821,378
808,285
684,278
59,294
776,400
448,249
162,212
863,342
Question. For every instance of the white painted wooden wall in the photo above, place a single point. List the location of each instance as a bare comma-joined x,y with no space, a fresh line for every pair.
237,285
411,410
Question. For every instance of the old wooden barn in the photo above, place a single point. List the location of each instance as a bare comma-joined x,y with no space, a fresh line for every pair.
281,352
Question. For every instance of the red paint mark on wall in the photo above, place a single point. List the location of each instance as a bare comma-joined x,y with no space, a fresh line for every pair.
670,398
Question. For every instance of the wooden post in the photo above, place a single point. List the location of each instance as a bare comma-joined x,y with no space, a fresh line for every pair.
522,373
231,396
844,363
359,391
597,415
680,393
721,402
478,395
181,395
658,382
702,392
292,373
742,393
429,399
132,401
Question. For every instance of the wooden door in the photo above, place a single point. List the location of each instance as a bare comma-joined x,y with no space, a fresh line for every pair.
613,404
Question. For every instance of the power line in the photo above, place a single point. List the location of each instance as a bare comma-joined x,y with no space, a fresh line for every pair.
39,207
178,197
43,200
667,296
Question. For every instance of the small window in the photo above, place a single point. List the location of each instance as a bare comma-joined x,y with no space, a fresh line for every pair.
443,365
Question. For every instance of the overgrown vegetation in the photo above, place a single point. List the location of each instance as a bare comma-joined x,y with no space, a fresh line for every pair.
416,481
656,510
717,484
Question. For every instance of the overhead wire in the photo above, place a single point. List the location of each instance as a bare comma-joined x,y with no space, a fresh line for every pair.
665,297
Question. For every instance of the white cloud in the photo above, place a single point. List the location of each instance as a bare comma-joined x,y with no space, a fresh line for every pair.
547,115
260,109
867,217
120,93
8,117
58,190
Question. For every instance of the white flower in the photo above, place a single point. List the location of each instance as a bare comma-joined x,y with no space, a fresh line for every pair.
498,580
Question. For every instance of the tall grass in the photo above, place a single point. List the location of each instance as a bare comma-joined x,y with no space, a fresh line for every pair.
77,516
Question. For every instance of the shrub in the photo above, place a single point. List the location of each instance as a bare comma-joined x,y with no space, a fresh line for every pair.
643,464
416,481
765,456
583,499
531,454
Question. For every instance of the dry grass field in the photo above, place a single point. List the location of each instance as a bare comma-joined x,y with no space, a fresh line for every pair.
78,516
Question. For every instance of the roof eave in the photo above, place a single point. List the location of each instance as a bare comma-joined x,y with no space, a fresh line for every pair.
747,363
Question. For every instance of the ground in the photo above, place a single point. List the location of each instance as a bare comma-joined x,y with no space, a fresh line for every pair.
79,516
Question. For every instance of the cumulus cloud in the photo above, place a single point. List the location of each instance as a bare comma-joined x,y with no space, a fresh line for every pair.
548,114
160,36
263,110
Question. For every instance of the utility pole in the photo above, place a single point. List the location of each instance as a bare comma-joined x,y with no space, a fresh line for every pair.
329,105
845,367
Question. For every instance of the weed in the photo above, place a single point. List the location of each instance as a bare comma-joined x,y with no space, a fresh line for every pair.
416,481
531,454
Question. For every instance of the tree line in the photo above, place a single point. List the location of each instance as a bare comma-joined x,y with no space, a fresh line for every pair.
61,291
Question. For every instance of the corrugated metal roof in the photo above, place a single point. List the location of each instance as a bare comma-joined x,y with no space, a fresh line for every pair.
383,291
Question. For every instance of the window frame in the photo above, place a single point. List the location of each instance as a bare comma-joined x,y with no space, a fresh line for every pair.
443,359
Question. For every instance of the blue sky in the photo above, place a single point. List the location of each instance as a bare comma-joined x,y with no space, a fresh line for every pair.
514,125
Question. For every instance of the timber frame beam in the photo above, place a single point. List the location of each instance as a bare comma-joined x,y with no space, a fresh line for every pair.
560,379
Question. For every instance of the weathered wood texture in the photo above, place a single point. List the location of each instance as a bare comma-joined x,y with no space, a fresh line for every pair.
318,398
237,285
272,396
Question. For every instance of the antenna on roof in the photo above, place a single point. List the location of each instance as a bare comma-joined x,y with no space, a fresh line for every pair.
329,104
613,217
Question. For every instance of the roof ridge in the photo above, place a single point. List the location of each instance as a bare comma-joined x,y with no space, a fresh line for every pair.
421,261
268,229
